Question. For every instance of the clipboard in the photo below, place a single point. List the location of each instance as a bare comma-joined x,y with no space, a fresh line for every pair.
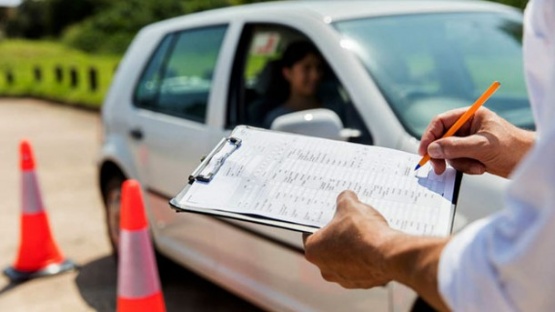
240,144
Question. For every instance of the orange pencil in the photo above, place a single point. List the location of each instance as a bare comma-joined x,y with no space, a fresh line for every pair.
464,118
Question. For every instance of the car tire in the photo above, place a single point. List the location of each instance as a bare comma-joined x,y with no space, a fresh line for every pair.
112,200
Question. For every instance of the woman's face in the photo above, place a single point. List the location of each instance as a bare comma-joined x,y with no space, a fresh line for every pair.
305,75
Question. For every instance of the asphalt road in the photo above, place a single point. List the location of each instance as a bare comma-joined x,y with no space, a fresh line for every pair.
65,142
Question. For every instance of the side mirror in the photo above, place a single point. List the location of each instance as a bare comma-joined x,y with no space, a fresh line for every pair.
318,122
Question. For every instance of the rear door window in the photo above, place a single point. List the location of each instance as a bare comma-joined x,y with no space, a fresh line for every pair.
178,79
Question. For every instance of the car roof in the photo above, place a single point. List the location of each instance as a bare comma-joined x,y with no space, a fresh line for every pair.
348,9
332,11
340,10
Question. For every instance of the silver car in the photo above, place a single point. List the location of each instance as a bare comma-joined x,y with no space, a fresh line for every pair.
390,66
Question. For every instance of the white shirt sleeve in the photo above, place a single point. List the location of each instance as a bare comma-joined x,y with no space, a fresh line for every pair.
507,261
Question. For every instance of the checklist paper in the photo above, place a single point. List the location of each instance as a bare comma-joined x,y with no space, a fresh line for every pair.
296,179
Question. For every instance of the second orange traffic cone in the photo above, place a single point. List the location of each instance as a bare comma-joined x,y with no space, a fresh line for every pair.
38,253
138,282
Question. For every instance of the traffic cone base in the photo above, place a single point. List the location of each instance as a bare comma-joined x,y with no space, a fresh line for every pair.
36,237
149,303
38,253
17,276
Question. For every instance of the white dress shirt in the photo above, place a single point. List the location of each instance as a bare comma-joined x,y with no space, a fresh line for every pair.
507,261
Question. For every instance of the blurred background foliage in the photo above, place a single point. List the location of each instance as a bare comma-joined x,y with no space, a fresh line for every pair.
521,4
75,37
99,26
80,35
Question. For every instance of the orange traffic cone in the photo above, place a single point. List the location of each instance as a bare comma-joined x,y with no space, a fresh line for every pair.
138,283
38,253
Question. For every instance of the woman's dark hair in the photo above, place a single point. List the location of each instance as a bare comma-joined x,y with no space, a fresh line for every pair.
279,88
296,51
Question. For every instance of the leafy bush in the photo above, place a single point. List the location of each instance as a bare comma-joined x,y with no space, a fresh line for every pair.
112,29
521,4
47,18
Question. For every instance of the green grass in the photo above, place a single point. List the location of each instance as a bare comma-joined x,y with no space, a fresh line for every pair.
22,56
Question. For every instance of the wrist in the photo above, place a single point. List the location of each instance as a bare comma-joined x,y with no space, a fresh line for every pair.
413,260
523,142
526,139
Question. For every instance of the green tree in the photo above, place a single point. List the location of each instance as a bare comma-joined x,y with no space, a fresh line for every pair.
62,13
47,18
521,4
29,22
112,29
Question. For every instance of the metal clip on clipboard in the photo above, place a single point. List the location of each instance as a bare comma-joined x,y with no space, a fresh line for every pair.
214,161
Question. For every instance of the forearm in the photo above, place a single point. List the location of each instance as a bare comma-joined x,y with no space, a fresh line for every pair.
414,262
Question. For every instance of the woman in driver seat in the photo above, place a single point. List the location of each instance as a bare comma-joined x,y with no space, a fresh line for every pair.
302,70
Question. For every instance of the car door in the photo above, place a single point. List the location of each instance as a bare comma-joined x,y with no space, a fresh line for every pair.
170,127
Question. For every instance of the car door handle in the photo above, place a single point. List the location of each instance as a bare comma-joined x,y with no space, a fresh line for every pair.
136,134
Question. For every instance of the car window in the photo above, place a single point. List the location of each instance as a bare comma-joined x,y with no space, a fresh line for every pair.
258,66
426,64
178,79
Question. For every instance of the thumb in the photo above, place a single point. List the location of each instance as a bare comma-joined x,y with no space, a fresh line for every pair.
457,147
345,200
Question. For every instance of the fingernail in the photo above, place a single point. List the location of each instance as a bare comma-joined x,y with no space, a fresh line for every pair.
435,150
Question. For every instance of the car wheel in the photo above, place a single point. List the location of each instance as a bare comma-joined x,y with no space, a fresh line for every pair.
112,201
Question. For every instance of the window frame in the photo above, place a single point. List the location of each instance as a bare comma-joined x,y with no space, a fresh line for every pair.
236,106
236,93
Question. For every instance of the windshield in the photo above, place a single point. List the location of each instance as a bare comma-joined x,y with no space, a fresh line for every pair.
428,64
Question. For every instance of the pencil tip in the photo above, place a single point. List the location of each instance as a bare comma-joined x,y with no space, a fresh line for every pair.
417,167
